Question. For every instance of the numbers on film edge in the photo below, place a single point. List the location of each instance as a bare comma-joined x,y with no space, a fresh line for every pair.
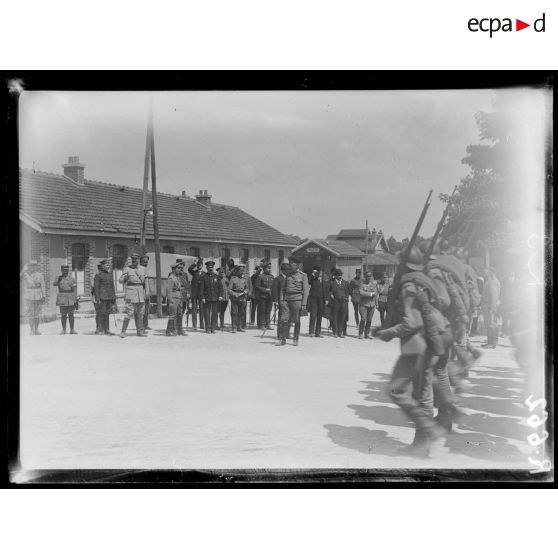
534,421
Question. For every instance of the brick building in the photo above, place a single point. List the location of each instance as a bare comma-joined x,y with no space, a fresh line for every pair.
69,219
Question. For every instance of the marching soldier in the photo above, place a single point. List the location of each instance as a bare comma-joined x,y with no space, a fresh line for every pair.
262,286
144,262
34,294
212,295
295,298
66,298
422,331
368,292
238,294
225,302
174,300
104,296
133,279
339,291
316,301
197,273
354,286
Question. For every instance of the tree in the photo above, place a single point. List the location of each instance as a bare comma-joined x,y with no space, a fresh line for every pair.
483,205
393,245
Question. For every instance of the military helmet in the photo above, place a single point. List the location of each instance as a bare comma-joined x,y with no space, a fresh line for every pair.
415,261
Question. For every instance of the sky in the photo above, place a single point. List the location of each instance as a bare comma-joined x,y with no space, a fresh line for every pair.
306,162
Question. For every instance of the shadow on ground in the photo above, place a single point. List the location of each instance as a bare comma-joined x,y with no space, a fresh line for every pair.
488,437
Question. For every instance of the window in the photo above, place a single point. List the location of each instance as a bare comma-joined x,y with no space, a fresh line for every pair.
226,256
244,255
119,257
168,249
79,259
267,255
194,251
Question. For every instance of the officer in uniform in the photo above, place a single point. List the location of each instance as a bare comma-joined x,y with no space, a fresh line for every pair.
238,293
222,273
382,302
212,295
104,296
277,289
144,262
254,310
263,286
186,290
355,293
34,294
66,298
197,273
174,300
368,292
339,291
97,306
133,279
295,299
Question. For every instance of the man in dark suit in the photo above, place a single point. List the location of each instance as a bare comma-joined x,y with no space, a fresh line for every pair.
213,293
316,301
196,286
339,291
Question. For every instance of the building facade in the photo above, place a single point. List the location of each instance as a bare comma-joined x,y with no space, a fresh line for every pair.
70,220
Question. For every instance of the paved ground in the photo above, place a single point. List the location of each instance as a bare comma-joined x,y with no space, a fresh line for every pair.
238,401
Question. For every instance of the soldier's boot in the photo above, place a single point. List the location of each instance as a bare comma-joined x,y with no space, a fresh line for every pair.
179,328
171,332
63,319
367,330
234,320
31,322
98,325
37,332
194,320
139,327
71,320
124,327
296,333
361,329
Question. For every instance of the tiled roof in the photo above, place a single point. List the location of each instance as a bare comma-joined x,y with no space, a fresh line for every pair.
55,202
381,259
338,246
344,233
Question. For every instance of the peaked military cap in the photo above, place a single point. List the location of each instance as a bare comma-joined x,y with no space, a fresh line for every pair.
209,264
285,267
134,255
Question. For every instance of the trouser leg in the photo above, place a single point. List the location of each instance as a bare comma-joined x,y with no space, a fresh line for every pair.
71,318
201,307
146,315
401,392
312,310
195,313
63,318
356,311
284,320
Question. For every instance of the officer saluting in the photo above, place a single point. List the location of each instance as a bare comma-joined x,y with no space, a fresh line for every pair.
212,295
239,291
133,279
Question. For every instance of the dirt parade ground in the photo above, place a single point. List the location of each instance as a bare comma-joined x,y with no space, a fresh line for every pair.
238,401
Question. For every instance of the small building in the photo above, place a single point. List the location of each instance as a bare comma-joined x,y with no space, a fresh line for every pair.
70,219
329,254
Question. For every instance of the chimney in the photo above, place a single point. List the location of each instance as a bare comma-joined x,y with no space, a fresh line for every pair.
183,193
204,198
73,169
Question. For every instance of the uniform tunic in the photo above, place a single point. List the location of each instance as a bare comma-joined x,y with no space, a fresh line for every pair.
134,279
34,292
66,291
